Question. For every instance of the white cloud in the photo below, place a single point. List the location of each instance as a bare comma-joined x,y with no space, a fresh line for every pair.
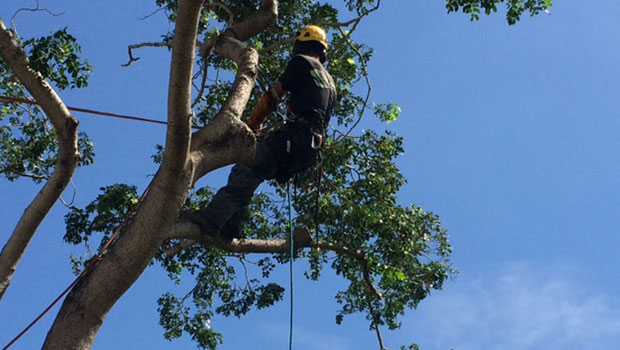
520,307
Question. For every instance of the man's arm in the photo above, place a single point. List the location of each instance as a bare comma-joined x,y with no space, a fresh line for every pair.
266,104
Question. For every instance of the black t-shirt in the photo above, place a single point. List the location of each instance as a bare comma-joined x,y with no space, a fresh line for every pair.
312,90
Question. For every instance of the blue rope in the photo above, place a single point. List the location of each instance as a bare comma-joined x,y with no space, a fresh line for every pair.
290,228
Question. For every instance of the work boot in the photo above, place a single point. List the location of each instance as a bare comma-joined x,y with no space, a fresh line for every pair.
230,231
232,227
197,217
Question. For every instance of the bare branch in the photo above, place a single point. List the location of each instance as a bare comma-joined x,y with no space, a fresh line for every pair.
301,238
35,9
28,175
152,13
277,45
247,276
69,204
205,75
130,49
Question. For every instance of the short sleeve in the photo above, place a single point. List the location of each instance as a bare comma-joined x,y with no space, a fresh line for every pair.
294,68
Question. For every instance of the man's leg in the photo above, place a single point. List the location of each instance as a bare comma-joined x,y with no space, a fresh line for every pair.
232,198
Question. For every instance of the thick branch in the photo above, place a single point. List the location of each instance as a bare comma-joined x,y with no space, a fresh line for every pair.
263,18
65,127
226,9
277,45
302,239
227,139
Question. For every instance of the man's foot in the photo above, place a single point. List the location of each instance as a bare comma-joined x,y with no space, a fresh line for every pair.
230,231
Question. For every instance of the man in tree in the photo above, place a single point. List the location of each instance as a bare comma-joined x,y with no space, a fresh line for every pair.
287,150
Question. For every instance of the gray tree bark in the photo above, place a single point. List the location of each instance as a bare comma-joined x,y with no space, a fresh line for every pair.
65,127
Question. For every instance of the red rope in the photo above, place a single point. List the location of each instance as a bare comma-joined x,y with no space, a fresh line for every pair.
84,110
87,269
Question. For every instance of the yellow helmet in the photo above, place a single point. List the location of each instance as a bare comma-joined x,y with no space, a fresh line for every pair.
313,33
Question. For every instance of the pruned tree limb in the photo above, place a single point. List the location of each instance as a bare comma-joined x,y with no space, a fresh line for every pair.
130,49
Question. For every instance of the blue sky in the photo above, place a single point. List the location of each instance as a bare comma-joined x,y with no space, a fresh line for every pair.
511,136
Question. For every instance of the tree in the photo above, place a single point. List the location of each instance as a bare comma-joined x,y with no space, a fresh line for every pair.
392,256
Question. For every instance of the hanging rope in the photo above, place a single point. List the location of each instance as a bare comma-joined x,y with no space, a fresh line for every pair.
319,173
290,229
87,269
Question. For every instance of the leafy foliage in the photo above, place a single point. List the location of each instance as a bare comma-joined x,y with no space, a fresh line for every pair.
28,143
56,58
515,8
103,215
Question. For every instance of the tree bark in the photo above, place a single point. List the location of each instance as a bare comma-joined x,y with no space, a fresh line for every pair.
186,158
65,127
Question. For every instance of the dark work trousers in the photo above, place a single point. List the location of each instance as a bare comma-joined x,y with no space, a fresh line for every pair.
281,155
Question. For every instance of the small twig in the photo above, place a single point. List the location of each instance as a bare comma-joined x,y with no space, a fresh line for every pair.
137,46
365,73
36,9
188,294
353,170
205,75
247,276
152,14
357,254
354,20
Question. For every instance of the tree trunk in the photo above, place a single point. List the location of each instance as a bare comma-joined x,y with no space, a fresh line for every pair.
187,157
